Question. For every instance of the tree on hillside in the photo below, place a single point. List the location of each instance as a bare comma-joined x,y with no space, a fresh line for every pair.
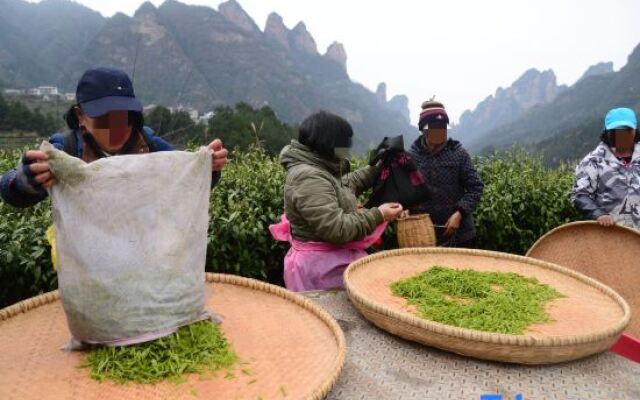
17,117
177,127
244,125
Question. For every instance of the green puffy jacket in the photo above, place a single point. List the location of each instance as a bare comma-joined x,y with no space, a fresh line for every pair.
320,203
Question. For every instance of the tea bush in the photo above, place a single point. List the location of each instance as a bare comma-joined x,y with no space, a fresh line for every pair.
25,264
522,200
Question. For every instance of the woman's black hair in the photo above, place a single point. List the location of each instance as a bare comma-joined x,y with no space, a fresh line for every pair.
71,118
136,119
323,131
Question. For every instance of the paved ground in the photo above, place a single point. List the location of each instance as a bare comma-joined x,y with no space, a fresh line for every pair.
382,366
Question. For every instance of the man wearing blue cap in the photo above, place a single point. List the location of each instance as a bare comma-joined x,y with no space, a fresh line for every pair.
106,120
607,183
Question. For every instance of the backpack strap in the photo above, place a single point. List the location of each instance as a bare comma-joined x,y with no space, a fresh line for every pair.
70,143
147,136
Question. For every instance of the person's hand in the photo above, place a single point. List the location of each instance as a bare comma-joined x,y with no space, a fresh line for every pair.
390,211
606,220
219,157
453,223
38,165
404,214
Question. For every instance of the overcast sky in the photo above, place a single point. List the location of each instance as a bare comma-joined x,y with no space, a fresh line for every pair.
459,50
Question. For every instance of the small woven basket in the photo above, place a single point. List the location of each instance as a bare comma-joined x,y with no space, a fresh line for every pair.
416,231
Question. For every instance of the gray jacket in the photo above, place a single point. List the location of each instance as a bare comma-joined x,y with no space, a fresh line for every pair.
605,185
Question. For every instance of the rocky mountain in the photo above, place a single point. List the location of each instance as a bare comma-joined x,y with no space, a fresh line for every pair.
531,89
337,53
236,14
38,42
398,103
598,69
194,56
570,125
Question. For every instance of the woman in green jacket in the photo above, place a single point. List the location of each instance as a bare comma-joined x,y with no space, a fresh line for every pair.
322,220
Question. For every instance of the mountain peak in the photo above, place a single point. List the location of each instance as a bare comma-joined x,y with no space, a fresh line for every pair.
532,74
147,24
337,53
276,30
531,89
381,93
300,27
234,12
171,3
146,8
65,7
634,57
302,40
598,69
400,104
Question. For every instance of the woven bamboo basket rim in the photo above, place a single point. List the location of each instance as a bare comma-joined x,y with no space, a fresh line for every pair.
595,250
481,336
318,393
414,216
542,238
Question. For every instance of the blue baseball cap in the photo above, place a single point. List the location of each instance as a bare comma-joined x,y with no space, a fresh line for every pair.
102,90
620,117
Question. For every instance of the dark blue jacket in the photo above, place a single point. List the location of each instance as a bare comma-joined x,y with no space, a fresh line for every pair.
455,185
18,194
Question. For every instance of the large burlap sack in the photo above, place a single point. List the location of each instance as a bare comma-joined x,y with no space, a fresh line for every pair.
131,240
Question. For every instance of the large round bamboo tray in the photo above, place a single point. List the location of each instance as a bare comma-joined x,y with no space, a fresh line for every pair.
289,349
589,320
608,254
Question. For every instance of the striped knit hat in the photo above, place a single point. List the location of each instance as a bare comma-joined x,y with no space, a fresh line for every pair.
432,111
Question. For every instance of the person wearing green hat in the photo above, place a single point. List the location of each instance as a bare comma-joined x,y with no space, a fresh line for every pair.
607,182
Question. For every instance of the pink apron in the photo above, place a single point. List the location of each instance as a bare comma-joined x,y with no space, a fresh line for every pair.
318,265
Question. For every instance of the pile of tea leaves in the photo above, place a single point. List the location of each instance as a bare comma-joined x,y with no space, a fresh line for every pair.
487,301
197,348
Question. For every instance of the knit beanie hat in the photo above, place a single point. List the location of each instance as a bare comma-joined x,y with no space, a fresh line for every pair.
432,111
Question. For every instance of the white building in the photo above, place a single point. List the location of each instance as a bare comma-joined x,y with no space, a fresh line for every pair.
48,90
148,108
13,92
193,113
204,118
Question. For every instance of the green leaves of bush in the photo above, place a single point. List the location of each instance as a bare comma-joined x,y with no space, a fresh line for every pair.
522,201
25,262
243,205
